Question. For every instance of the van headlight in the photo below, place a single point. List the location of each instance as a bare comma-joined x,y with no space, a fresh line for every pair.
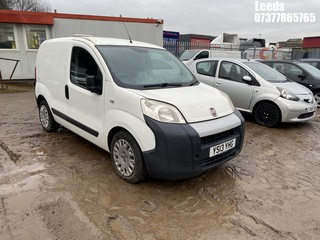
162,112
284,93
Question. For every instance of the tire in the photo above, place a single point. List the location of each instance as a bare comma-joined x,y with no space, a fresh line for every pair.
127,158
46,119
267,114
317,97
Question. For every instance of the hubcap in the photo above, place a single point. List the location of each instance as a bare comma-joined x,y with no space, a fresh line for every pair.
44,116
124,158
266,114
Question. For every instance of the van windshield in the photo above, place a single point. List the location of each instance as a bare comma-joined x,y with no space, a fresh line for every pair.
266,72
145,68
188,54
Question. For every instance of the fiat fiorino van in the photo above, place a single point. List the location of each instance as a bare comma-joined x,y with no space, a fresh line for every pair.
138,102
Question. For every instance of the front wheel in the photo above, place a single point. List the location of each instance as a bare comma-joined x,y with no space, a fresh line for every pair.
46,119
127,158
317,97
267,114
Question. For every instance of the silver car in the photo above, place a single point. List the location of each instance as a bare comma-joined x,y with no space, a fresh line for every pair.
258,89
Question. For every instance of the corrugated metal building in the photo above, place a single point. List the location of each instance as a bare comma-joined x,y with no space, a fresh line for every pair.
311,46
21,34
197,39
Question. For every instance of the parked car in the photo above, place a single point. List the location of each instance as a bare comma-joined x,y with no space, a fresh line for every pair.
299,72
258,89
138,102
313,61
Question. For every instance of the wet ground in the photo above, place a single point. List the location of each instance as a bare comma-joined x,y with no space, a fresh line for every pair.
60,186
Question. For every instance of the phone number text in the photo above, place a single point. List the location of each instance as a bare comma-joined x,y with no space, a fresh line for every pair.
274,17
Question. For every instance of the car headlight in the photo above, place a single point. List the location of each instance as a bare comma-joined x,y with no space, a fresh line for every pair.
284,93
161,111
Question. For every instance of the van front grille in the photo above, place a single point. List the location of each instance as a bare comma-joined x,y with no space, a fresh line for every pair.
219,136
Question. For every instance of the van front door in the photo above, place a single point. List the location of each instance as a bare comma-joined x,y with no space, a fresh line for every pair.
84,95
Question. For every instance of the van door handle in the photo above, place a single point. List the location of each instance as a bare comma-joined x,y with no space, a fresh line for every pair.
218,83
66,91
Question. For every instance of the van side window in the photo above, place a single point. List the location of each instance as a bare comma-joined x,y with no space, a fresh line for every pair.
204,54
83,66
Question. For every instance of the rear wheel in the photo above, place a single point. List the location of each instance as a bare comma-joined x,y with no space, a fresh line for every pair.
46,119
267,114
127,158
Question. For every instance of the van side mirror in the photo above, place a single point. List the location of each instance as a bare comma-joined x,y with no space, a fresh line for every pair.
247,79
93,84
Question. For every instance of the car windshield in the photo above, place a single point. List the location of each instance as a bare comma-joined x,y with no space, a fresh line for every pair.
311,69
145,68
188,54
266,72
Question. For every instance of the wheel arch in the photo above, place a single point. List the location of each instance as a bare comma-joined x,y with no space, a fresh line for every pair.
39,99
113,132
268,102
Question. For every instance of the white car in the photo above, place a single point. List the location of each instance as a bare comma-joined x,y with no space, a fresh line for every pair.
138,102
258,89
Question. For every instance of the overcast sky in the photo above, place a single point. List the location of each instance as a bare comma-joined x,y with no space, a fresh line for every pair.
209,17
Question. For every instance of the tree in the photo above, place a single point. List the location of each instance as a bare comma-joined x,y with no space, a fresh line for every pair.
26,5
6,4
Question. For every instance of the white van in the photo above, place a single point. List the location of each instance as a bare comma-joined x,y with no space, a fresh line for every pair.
138,102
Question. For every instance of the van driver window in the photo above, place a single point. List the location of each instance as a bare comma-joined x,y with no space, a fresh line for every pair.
82,66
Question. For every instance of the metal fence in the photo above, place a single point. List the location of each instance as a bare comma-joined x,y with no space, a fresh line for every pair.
176,48
266,54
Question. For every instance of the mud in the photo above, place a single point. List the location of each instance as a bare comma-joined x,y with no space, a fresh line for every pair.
60,186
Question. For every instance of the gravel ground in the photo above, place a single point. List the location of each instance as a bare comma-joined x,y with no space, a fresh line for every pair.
60,186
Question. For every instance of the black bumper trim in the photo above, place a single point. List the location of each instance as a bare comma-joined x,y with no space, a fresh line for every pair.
180,154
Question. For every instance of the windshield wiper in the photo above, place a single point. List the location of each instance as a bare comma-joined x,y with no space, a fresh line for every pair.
162,85
194,83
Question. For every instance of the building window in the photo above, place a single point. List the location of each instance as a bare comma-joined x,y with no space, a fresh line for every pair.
35,36
7,39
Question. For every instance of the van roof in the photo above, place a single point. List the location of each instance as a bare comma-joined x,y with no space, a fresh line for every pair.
103,41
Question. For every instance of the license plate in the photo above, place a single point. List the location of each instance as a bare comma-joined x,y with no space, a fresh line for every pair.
312,109
221,148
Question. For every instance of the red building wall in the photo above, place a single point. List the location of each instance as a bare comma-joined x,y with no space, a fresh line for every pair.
311,42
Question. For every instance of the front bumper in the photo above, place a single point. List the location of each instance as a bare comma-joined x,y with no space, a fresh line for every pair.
296,111
182,150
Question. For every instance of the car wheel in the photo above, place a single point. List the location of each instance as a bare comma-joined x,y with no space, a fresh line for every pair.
317,97
267,114
46,119
127,158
